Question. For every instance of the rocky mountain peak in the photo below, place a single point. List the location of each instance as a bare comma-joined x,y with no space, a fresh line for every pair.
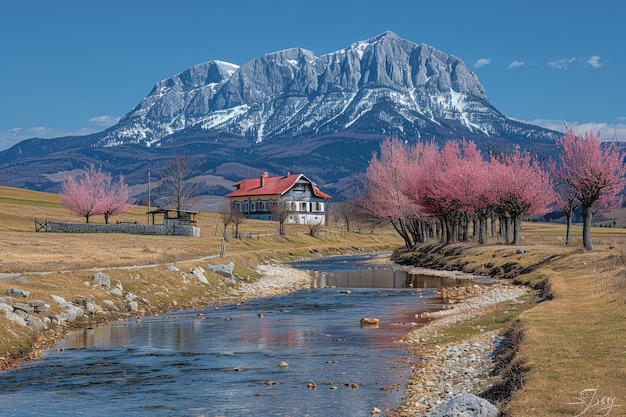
294,92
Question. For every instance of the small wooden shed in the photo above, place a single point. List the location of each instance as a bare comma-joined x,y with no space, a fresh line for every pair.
173,217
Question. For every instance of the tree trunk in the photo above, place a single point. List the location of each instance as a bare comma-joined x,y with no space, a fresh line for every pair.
568,231
517,228
398,225
587,215
444,231
281,228
482,229
504,228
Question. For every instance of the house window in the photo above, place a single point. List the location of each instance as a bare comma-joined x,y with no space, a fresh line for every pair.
299,187
245,207
294,206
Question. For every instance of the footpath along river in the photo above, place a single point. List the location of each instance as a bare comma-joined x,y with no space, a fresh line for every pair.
258,358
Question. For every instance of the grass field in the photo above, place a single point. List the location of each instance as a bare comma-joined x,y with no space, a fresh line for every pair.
574,346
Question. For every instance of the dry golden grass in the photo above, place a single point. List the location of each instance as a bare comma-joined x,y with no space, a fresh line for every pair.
577,341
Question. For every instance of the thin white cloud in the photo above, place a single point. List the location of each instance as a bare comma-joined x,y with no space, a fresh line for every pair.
608,132
594,61
104,120
515,64
562,63
482,62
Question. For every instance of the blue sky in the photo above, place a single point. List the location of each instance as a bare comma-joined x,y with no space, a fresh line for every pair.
76,66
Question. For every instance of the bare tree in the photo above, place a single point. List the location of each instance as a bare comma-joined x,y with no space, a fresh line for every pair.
314,228
225,211
280,211
176,184
237,219
346,212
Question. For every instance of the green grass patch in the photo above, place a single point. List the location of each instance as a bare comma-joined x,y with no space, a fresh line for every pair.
498,317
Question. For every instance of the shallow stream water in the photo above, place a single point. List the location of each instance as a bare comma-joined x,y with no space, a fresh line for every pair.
225,361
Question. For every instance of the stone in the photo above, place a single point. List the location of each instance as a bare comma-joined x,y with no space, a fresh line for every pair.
92,307
6,301
6,308
101,279
133,306
39,306
369,322
110,305
14,317
198,272
35,323
17,293
71,312
172,268
225,270
116,292
468,405
59,300
23,307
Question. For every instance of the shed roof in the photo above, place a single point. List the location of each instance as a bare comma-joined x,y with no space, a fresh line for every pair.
166,209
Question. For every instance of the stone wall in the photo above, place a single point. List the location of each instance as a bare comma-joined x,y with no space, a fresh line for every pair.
140,229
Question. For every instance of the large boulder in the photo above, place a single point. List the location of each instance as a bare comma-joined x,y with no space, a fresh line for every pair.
70,311
225,270
17,293
468,405
101,279
198,272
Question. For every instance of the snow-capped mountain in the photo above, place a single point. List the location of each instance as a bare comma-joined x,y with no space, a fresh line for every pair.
384,85
287,111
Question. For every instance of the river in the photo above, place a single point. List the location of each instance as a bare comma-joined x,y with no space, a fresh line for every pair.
303,354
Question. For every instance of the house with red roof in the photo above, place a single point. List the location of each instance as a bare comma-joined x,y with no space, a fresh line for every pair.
254,197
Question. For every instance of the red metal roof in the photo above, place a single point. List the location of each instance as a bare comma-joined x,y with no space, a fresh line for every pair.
278,185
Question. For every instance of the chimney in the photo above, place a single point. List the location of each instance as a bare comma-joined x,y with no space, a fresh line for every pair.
263,176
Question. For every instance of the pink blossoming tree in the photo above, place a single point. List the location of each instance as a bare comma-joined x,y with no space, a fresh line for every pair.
592,173
93,194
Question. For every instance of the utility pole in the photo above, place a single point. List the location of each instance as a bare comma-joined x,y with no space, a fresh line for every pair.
148,195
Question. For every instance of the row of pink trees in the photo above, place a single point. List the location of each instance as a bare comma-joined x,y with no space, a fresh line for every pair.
94,193
410,186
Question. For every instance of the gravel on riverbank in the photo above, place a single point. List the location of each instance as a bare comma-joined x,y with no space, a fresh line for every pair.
444,371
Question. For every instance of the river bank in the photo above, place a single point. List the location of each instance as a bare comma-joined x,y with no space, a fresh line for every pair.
440,370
